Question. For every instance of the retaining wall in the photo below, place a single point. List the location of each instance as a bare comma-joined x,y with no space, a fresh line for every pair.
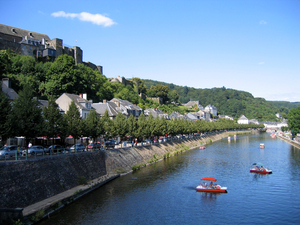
23,183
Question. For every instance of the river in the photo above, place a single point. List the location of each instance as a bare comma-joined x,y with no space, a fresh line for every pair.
164,193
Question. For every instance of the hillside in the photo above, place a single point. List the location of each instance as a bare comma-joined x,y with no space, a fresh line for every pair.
228,101
289,105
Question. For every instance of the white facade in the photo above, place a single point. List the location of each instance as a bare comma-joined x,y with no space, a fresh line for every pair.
211,109
243,120
84,106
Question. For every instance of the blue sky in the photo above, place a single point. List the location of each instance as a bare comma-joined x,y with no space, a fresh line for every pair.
248,45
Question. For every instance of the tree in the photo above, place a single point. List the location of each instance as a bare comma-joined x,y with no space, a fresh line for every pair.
142,87
127,93
4,113
159,91
120,125
93,125
5,63
173,96
294,121
54,124
26,116
143,129
132,126
108,126
73,121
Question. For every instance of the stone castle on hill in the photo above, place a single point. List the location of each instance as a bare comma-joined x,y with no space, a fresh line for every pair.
38,45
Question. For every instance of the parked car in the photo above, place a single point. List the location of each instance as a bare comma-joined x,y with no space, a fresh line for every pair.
9,151
77,147
36,149
94,146
55,149
110,144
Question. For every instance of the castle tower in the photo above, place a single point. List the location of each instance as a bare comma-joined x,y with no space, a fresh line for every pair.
58,45
77,55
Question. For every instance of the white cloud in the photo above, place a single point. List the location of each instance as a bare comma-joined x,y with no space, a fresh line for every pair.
88,17
262,22
261,63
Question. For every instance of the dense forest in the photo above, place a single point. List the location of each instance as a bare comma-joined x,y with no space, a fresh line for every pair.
228,101
285,104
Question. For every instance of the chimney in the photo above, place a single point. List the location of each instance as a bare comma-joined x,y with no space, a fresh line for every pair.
6,81
118,103
104,100
84,96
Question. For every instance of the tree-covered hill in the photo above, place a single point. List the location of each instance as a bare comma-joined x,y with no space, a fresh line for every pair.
289,105
228,101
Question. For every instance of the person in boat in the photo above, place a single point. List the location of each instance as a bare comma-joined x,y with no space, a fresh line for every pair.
203,185
261,168
211,184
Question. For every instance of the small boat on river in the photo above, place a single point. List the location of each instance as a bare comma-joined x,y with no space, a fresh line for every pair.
259,168
262,145
212,188
202,147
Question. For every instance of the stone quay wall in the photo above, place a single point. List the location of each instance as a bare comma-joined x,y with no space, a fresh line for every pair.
26,182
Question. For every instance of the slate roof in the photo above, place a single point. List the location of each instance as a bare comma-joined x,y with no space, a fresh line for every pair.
127,104
243,118
78,100
155,113
11,94
22,33
111,108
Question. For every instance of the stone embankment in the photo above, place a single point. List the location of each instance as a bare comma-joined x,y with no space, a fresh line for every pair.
42,186
294,143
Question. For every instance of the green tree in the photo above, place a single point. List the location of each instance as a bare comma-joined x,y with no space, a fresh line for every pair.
142,87
93,125
73,121
120,125
108,126
132,126
5,63
54,124
173,96
5,107
26,116
294,121
159,91
127,93
143,130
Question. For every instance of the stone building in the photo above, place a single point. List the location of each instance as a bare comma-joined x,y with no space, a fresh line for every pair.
38,45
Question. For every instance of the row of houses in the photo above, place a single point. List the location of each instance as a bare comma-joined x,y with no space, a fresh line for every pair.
115,105
268,124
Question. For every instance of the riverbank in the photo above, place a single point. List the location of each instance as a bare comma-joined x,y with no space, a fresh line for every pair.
117,163
294,143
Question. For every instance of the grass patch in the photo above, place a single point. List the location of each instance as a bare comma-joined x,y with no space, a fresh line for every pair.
138,166
38,216
120,170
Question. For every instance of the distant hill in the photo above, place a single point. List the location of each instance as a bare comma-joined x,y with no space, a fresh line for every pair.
228,101
286,104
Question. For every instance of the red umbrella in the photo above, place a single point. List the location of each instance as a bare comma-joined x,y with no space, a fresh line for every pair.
209,178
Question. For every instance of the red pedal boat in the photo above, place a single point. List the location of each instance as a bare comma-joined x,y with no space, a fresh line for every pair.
212,188
259,168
